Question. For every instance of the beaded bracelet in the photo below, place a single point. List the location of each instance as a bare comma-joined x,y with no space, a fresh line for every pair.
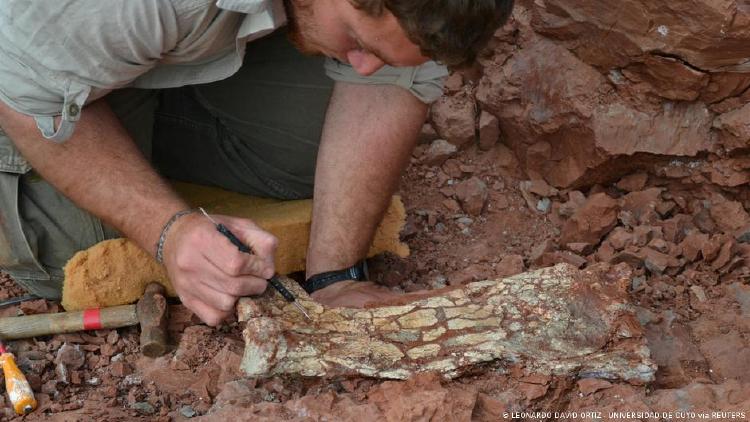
163,236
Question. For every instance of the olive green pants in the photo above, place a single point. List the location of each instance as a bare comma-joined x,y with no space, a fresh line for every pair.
256,132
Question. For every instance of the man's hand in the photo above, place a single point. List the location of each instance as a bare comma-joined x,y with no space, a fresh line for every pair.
353,294
208,272
102,171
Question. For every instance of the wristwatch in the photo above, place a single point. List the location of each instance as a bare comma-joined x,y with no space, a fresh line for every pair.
357,272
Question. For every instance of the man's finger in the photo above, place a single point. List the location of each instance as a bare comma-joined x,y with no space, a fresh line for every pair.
241,286
208,293
205,312
229,260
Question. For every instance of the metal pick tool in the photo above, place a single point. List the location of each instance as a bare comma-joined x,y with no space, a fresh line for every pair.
273,281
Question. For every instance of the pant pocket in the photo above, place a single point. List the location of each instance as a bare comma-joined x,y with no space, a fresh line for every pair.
18,257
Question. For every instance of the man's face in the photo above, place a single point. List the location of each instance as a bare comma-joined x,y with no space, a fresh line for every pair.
336,29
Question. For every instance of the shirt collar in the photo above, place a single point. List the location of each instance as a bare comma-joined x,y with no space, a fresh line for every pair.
263,16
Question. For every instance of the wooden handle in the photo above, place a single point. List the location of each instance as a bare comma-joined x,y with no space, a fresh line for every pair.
13,328
153,312
18,388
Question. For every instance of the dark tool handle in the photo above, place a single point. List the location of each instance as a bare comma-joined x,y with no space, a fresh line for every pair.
288,296
273,281
232,238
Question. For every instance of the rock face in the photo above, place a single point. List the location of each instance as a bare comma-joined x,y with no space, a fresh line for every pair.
587,91
554,320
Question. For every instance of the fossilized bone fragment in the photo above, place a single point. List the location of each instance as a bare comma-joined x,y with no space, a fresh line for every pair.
555,320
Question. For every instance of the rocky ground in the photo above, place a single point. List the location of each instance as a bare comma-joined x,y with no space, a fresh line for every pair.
472,215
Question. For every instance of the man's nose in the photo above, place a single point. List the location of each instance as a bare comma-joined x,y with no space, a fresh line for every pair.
363,62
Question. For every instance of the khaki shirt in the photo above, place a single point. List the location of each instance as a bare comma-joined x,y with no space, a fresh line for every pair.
58,55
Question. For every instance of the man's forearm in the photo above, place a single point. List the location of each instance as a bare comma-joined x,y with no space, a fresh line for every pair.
369,134
101,170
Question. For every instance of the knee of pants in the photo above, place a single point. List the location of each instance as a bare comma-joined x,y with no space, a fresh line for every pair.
41,231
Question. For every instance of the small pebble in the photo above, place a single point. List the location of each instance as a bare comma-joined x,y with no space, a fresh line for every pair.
187,411
143,407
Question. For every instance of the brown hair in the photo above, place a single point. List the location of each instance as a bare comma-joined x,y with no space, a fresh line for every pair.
450,31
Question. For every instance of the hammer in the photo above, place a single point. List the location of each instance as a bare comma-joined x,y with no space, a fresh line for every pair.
150,312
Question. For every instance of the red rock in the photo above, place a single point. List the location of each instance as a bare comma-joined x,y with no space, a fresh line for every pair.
452,168
581,248
473,272
642,205
70,356
657,262
633,182
113,337
591,221
504,157
620,238
730,172
510,265
75,377
660,245
674,351
726,252
472,194
538,251
605,253
557,257
532,391
451,205
33,307
454,118
644,234
541,188
589,386
614,129
730,216
491,409
467,168
439,151
427,134
693,244
420,396
710,249
489,130
536,379
727,354
119,369
676,228
576,199
733,128
702,219
743,234
665,208
667,77
454,82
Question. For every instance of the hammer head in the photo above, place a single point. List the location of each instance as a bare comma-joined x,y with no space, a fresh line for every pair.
152,311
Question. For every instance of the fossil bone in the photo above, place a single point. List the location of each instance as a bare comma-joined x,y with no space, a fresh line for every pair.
555,320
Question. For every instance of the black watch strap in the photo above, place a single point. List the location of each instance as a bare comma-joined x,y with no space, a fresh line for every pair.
319,281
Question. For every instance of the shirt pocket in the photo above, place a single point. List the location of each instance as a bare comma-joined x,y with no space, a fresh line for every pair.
11,160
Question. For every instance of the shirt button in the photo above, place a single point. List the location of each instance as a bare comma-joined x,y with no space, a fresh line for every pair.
73,110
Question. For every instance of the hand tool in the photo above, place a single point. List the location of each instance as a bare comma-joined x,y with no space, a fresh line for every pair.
18,388
150,312
273,281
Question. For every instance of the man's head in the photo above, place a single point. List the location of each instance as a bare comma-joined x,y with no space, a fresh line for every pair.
370,33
